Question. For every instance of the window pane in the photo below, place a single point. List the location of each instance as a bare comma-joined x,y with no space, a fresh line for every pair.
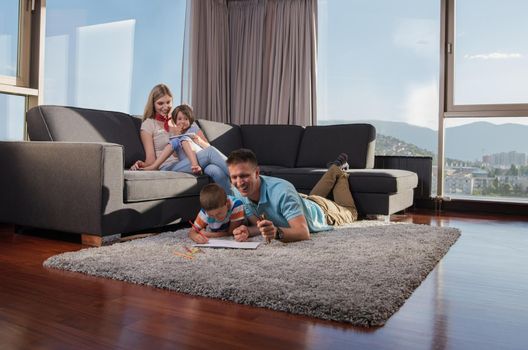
378,62
8,37
12,111
491,52
487,159
109,54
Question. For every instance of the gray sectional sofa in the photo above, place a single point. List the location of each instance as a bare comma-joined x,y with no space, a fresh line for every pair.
72,176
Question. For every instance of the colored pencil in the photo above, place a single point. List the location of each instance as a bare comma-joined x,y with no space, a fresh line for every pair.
186,256
197,229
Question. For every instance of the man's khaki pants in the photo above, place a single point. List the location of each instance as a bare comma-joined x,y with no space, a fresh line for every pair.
342,210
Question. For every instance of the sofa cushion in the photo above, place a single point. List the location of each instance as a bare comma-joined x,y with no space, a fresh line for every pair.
225,137
152,185
382,180
57,123
273,144
322,144
360,180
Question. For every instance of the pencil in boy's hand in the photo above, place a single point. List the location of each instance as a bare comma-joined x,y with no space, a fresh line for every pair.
197,229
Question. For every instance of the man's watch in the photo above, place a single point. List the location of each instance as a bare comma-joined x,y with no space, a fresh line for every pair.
280,234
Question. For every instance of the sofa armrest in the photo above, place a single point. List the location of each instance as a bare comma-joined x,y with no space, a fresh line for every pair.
65,186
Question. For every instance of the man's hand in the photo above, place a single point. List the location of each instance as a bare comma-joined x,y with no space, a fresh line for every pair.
267,229
241,233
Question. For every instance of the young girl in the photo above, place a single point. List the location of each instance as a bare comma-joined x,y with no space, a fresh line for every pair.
186,140
156,129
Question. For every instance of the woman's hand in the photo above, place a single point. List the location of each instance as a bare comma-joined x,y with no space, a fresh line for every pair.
137,165
196,169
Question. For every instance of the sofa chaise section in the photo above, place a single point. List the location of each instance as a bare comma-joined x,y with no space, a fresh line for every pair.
300,155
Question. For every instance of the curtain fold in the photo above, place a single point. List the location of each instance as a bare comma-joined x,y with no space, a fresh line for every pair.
206,61
246,22
253,61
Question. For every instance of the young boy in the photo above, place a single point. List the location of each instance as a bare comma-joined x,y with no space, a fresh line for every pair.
220,213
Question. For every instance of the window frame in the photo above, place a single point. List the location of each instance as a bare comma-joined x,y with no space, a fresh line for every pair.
28,80
468,110
22,78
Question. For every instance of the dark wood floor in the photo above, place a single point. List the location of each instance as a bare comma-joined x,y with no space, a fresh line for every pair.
476,298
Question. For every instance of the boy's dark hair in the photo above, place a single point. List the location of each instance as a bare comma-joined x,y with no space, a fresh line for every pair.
242,155
186,110
212,197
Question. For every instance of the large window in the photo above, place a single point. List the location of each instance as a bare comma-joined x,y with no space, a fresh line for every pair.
381,62
378,61
490,52
486,112
109,54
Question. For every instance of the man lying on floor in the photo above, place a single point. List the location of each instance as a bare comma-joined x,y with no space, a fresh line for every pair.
276,210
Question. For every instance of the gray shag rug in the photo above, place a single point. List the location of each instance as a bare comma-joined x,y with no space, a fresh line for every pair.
360,274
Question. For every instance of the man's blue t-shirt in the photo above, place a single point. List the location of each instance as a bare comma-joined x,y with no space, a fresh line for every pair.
280,202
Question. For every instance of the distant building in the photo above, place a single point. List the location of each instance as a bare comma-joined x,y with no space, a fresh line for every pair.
480,183
505,159
459,184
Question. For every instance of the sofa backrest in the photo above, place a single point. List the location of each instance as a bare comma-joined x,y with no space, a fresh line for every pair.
322,144
273,144
225,137
57,123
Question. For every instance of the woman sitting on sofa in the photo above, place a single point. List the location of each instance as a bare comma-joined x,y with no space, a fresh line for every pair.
155,132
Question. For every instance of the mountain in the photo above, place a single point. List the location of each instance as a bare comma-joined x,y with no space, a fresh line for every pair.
472,141
466,142
421,137
391,146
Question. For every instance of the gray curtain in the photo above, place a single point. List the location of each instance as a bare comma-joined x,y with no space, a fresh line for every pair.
269,56
206,60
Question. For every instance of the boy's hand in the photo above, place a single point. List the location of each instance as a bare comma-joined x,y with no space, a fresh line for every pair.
241,233
196,237
196,169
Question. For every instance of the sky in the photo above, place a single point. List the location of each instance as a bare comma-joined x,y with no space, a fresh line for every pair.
102,54
492,54
379,59
8,37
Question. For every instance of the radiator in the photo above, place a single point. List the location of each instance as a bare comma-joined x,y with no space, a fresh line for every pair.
422,166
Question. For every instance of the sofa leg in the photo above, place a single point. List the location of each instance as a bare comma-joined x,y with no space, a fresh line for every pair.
97,241
379,217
